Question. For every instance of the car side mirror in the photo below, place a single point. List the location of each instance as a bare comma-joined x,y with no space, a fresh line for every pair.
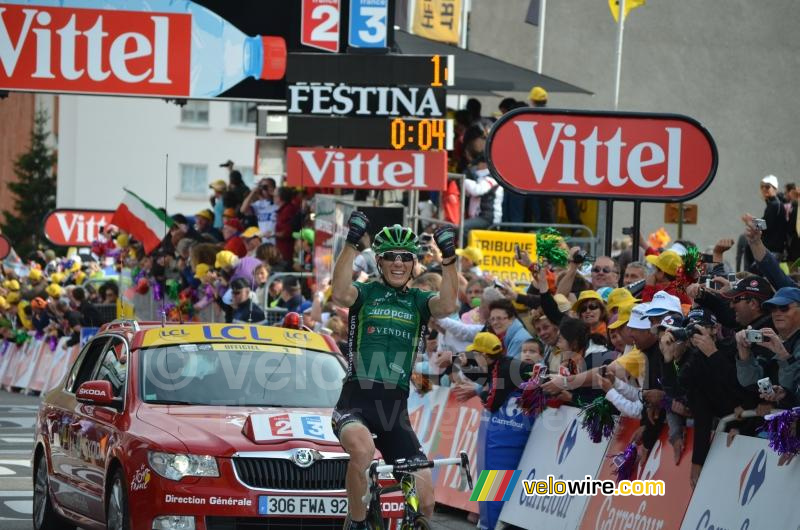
98,393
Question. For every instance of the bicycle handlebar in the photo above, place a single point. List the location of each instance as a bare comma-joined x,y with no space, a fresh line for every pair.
415,465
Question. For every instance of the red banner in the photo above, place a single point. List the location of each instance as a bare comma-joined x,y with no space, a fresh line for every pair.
75,228
320,24
94,51
648,157
319,167
648,512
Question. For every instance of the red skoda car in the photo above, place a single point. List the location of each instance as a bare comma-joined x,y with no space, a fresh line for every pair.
206,426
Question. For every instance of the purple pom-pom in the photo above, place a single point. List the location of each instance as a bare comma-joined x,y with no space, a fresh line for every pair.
52,342
158,292
533,400
598,419
624,463
782,429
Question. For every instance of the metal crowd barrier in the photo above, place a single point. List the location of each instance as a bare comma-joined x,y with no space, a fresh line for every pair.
723,422
589,241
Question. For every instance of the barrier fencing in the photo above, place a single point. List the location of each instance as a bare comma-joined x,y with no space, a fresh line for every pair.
744,484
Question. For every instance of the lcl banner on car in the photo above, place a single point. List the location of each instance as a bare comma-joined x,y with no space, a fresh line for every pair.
158,48
75,228
602,155
744,485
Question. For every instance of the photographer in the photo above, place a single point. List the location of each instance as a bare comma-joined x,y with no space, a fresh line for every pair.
605,272
260,202
783,342
703,369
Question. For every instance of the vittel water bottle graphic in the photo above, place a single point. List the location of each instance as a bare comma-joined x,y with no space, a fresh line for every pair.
144,47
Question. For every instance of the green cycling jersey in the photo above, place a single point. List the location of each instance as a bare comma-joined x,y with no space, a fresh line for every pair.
386,328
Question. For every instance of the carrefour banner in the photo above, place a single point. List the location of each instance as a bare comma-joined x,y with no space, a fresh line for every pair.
745,485
557,446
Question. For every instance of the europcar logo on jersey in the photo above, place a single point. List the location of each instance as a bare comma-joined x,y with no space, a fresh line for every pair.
753,476
566,442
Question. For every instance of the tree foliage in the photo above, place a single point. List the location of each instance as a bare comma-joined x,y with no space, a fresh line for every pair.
34,191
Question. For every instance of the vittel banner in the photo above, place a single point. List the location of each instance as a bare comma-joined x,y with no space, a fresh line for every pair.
626,156
158,48
75,228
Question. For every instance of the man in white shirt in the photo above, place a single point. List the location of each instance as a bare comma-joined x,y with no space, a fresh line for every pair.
260,202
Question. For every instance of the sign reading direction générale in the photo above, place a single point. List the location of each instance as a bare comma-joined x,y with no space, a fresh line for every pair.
602,155
366,101
366,168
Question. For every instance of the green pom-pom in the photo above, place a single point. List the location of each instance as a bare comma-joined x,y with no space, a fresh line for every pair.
548,246
173,288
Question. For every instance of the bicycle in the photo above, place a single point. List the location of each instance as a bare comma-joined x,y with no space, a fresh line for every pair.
412,518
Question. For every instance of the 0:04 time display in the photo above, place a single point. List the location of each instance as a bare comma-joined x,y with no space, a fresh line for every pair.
420,134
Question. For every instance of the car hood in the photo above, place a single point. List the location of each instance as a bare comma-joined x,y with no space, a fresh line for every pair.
222,431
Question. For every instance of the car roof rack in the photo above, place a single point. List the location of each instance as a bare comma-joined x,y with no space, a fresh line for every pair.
122,323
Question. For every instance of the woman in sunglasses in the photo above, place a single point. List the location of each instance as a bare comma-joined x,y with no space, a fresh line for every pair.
387,323
592,310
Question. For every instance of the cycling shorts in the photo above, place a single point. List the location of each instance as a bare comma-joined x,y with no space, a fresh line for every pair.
385,413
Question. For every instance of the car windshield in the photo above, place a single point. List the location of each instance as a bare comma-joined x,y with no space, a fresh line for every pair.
240,375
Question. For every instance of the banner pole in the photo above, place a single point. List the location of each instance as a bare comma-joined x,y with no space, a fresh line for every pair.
609,226
637,215
542,10
619,52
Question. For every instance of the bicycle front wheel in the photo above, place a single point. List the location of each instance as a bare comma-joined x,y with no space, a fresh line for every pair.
420,524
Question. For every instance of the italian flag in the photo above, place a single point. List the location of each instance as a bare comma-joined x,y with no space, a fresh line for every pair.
142,220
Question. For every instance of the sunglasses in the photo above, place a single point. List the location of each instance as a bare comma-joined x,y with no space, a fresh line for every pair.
591,306
391,255
780,308
604,270
741,299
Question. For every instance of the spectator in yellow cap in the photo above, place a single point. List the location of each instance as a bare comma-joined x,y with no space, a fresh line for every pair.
502,374
235,267
204,224
538,97
54,291
471,259
663,278
252,239
591,309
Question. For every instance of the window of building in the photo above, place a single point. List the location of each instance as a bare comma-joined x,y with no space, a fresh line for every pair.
195,112
194,179
242,114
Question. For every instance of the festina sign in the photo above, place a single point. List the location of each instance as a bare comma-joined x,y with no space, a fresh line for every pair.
627,156
345,100
75,228
366,168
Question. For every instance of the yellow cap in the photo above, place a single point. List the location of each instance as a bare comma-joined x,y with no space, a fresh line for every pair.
473,254
538,94
486,343
76,266
3,304
201,270
253,231
79,277
53,290
12,297
206,214
35,275
587,295
623,314
219,185
122,240
57,277
633,362
618,297
11,285
668,262
225,259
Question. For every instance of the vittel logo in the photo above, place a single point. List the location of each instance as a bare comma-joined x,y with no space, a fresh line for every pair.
93,50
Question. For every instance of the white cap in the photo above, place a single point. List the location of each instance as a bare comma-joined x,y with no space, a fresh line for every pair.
663,303
639,318
772,180
680,249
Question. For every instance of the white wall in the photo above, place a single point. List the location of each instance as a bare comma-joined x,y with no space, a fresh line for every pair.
107,143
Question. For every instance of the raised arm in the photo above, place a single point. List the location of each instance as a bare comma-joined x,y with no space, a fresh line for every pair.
343,292
446,302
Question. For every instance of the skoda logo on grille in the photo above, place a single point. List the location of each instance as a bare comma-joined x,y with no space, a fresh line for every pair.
305,457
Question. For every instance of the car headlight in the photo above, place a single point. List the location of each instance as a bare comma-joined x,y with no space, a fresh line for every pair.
176,466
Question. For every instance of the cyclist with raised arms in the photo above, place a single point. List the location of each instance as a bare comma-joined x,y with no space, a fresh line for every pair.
386,329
